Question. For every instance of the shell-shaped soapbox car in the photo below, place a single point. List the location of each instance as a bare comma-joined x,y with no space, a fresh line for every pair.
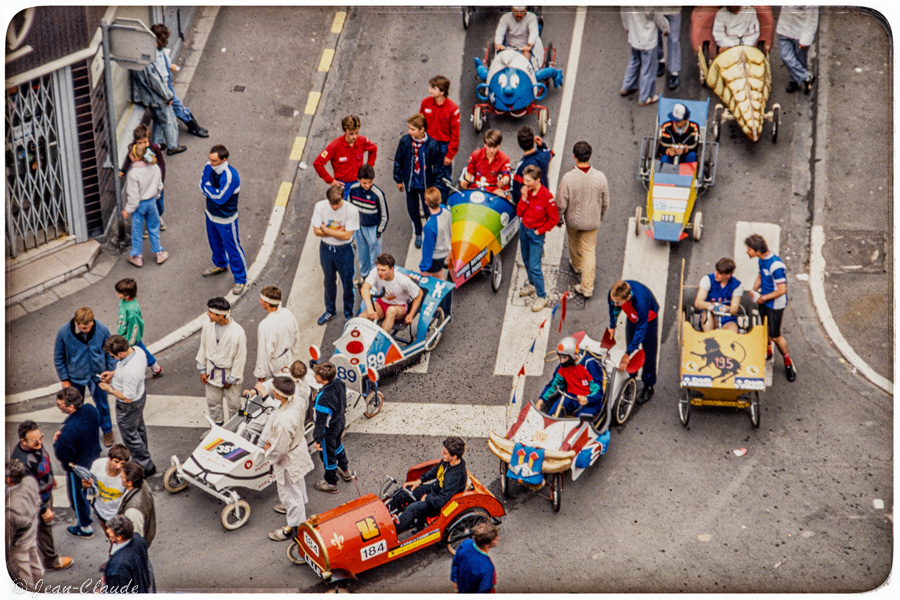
539,448
741,75
364,344
673,188
360,535
720,367
510,85
483,224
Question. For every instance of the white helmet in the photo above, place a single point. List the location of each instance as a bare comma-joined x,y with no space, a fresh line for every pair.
568,346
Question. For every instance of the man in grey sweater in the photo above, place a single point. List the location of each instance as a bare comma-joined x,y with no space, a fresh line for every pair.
582,198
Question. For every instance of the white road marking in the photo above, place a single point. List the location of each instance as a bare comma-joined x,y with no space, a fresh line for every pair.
307,292
159,411
519,323
414,418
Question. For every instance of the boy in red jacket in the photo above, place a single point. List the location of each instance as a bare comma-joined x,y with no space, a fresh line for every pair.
539,214
442,115
346,155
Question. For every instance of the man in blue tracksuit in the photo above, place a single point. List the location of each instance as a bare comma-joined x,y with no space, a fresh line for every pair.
637,302
417,162
221,185
536,153
329,409
77,442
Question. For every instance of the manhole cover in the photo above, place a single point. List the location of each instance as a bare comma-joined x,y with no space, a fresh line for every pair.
285,111
238,88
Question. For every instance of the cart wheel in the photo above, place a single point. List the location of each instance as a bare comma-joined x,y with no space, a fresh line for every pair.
478,119
638,215
625,401
504,480
684,408
556,491
698,225
754,409
436,319
173,482
496,272
235,517
374,402
717,124
467,15
293,553
776,122
543,120
461,528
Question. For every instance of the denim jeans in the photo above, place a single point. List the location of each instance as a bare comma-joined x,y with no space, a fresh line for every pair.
532,251
641,73
161,203
181,111
368,247
337,260
165,130
415,200
794,59
151,360
673,63
146,211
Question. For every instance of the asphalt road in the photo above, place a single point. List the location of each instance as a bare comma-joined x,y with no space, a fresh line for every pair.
668,509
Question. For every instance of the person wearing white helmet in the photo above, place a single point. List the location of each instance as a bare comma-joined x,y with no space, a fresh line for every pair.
679,137
584,389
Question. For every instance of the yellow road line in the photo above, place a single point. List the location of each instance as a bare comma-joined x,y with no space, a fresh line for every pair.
284,192
297,150
338,24
327,57
312,103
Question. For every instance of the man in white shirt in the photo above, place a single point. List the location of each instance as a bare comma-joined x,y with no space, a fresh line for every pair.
278,336
796,31
221,359
642,26
396,291
736,26
126,384
519,29
335,221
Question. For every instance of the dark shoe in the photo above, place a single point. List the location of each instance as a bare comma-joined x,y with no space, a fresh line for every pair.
64,562
660,69
282,534
627,92
326,316
674,81
280,509
194,129
792,87
108,439
324,486
76,531
346,475
150,472
645,395
419,240
176,150
214,271
790,372
807,85
156,374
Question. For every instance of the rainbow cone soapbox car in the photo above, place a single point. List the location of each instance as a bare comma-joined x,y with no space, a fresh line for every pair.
539,448
740,76
360,535
673,188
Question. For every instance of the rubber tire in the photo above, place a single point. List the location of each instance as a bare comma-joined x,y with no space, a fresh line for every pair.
697,224
496,273
629,407
504,480
436,319
776,122
556,491
754,410
293,553
230,525
638,215
373,398
478,119
717,125
684,408
543,120
172,473
461,528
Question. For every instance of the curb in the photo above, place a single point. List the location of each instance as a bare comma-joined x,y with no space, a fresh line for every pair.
275,219
817,235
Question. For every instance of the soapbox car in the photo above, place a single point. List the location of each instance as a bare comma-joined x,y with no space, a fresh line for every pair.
673,188
721,367
360,535
539,447
364,344
740,76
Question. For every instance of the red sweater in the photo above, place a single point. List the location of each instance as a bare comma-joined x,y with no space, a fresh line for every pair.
345,159
538,211
443,122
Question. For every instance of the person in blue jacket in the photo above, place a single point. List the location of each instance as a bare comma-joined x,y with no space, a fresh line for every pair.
77,443
329,408
536,153
437,235
584,380
472,570
79,357
637,302
221,185
417,162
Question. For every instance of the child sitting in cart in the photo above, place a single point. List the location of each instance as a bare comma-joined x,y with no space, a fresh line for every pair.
582,384
678,137
720,292
259,415
489,167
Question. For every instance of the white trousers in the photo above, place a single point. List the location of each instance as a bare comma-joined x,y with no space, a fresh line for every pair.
293,495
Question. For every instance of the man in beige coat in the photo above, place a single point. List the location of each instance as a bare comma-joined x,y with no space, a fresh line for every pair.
583,198
23,503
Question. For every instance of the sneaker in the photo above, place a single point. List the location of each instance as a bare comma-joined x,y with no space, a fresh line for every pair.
660,68
807,85
137,261
108,439
280,509
645,395
539,304
157,373
628,92
674,81
419,241
162,224
282,534
146,235
214,271
324,486
580,290
526,291
77,531
790,372
64,562
792,87
346,475
176,150
238,289
326,316
649,101
162,257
